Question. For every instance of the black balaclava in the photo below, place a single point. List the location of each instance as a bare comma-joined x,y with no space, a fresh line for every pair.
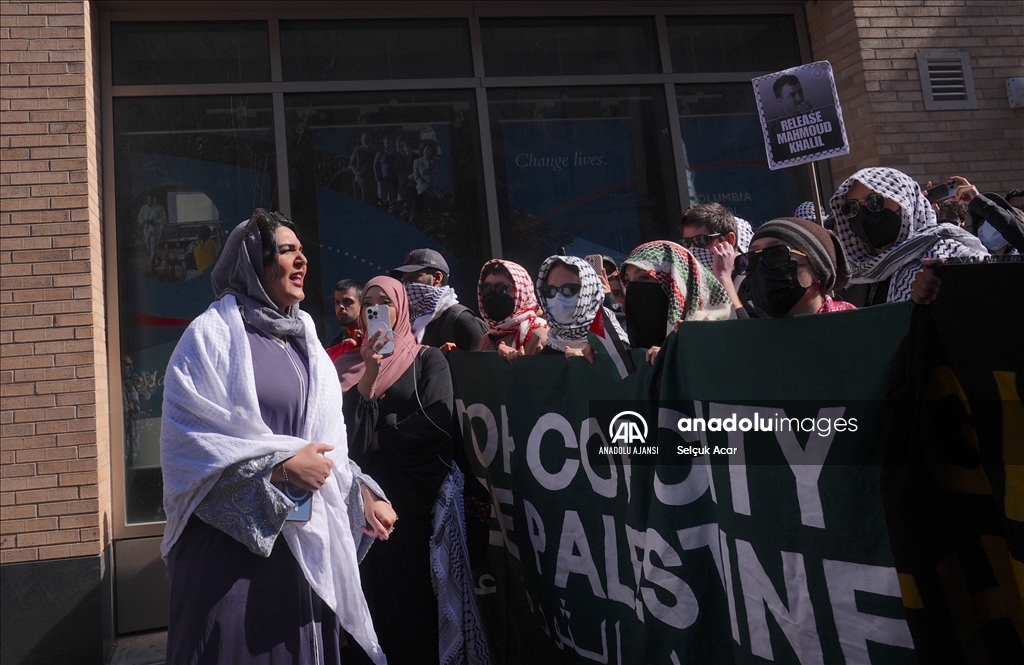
646,314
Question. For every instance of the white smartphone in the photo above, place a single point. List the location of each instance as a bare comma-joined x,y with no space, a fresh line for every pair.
378,317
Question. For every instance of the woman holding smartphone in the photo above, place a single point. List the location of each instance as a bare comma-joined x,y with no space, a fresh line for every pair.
250,399
399,414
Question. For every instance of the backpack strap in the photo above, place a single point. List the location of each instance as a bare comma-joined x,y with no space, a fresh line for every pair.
451,315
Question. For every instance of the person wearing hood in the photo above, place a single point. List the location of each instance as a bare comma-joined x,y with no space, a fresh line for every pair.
792,268
251,399
508,305
808,211
438,318
572,296
665,285
887,228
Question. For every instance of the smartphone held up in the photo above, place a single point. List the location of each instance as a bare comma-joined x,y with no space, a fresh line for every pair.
378,319
941,192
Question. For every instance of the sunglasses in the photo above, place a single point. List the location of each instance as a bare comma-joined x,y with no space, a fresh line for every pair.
567,290
874,202
774,257
501,288
702,240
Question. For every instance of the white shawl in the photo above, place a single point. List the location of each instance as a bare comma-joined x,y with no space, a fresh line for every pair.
211,419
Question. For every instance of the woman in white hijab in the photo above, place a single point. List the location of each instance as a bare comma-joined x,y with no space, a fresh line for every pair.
887,226
251,399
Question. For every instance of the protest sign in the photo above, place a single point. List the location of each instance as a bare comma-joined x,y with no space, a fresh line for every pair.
641,538
800,115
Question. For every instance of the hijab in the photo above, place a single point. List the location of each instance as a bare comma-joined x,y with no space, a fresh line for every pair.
239,271
693,292
406,347
523,320
591,299
920,233
350,367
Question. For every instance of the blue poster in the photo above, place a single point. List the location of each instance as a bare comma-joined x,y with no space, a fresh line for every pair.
725,163
576,177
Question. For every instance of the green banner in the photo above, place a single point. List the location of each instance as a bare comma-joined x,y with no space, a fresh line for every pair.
721,507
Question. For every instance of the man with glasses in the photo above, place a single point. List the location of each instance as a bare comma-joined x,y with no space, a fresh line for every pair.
438,319
706,225
714,235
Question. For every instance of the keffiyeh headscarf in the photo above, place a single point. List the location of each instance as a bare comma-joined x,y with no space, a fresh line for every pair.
426,303
239,270
806,211
524,319
693,292
591,299
920,234
744,233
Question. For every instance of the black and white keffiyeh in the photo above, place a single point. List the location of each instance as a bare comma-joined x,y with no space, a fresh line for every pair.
920,236
591,299
807,212
426,303
462,639
744,232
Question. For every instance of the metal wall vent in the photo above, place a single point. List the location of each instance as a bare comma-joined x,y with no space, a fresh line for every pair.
947,81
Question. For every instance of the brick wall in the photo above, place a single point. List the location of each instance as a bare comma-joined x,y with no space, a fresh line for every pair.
55,453
873,45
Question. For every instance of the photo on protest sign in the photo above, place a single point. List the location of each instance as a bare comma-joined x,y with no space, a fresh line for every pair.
800,115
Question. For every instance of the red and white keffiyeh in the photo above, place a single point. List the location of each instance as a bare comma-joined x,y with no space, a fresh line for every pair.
524,319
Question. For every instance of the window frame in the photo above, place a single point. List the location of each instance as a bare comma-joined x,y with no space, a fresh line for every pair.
273,13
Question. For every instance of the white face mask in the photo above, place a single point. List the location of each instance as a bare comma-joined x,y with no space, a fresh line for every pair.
561,309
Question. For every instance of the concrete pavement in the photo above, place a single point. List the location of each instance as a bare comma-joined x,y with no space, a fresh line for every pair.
141,649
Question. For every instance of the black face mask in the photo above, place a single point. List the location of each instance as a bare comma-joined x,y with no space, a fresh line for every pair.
498,306
877,229
774,291
646,314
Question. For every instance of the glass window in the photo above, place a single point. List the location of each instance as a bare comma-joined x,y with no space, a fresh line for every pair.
163,52
563,47
732,43
187,170
361,50
725,155
587,170
380,174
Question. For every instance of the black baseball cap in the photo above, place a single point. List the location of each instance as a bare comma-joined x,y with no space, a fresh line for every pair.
423,259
